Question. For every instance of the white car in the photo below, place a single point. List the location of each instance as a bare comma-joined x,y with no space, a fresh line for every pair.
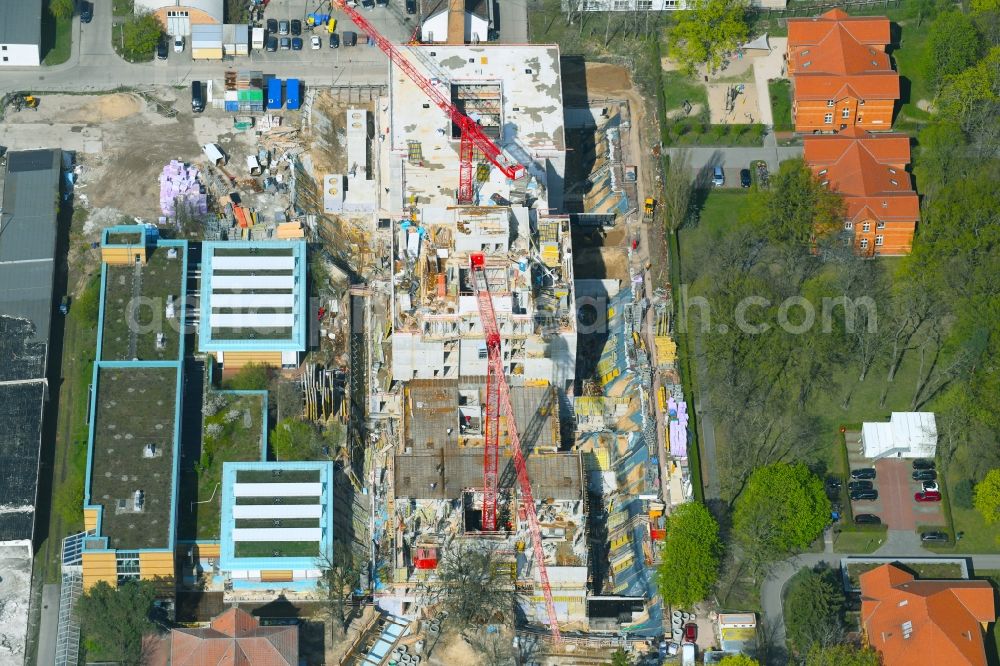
179,44
316,43
931,486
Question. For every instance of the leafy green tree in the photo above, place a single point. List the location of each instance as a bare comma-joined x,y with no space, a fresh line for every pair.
972,96
691,554
620,658
797,208
952,46
979,6
944,154
140,34
475,587
842,655
739,660
987,496
114,620
340,574
814,610
707,31
61,9
251,377
293,439
783,509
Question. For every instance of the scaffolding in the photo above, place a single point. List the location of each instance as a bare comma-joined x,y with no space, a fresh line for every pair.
68,631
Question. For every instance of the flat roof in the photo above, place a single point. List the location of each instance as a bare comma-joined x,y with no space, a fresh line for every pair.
253,296
142,307
28,231
276,515
21,407
135,421
21,22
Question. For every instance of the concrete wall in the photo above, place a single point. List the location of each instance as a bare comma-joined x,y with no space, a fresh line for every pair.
19,55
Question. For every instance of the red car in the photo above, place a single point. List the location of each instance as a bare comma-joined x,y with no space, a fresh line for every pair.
690,632
927,496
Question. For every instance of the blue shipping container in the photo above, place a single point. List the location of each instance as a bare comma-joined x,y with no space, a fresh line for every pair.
232,106
292,94
274,93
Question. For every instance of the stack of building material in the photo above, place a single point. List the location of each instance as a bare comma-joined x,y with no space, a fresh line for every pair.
678,420
250,90
181,190
230,96
289,230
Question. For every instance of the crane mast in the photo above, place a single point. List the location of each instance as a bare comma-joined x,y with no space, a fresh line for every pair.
472,136
498,390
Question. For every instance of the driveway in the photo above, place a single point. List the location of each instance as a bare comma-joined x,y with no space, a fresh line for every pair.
513,21
732,159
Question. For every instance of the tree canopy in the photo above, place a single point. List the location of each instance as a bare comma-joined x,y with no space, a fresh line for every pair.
691,555
783,509
797,207
251,377
842,655
952,46
707,31
140,34
61,9
987,496
113,621
739,660
814,608
475,587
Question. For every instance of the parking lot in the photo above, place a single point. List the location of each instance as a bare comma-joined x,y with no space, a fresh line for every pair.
895,504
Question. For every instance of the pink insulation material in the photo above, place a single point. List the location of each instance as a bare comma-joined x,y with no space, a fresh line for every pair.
180,189
678,423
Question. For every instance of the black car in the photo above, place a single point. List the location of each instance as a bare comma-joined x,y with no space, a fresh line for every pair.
867,519
923,463
860,485
863,473
86,12
296,43
272,26
161,50
864,495
925,475
272,44
334,40
296,27
411,6
934,537
744,177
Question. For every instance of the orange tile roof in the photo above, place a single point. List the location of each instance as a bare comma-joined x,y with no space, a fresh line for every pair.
869,170
836,55
907,620
235,638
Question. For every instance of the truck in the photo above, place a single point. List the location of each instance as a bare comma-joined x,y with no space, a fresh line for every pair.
257,41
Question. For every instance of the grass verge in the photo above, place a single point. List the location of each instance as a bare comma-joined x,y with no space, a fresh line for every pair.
780,91
857,539
678,89
57,38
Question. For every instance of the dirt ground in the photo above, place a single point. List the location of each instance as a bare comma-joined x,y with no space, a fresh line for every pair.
745,108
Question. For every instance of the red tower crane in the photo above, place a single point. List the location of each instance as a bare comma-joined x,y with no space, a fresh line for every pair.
472,135
497,405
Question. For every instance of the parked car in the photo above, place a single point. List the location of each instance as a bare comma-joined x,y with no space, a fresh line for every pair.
858,495
161,50
283,27
934,537
272,26
350,38
411,6
296,43
296,27
925,475
690,632
745,178
867,519
272,44
334,41
316,42
718,177
927,496
86,12
931,486
863,473
179,44
284,43
860,485
923,463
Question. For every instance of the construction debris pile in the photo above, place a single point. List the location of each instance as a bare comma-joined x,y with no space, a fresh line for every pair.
181,191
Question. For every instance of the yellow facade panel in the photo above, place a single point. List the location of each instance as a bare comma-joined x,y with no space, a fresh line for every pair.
234,360
98,567
90,519
208,550
156,564
275,576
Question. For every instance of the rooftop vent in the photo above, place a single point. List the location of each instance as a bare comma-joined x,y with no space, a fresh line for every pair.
149,451
138,500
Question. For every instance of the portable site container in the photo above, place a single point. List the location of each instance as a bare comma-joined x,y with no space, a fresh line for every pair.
206,42
293,99
274,100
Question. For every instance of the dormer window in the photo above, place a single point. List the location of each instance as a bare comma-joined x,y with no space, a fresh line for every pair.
885,204
806,63
806,52
894,182
861,102
891,170
822,172
825,183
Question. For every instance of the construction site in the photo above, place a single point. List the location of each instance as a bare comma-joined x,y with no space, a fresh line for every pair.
444,274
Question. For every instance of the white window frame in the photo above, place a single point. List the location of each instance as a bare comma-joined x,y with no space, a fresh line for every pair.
828,119
863,244
829,103
845,112
866,227
879,240
880,224
849,225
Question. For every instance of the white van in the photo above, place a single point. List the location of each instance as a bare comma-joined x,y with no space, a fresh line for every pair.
687,654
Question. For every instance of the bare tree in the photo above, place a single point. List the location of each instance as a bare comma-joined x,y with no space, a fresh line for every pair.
677,197
340,573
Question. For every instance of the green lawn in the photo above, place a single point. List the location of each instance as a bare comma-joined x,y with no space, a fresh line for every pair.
856,540
57,39
678,88
977,536
781,104
908,56
283,548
